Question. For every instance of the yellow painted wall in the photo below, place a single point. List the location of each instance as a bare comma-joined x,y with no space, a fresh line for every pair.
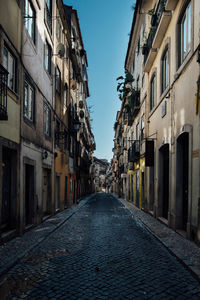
61,168
11,129
139,165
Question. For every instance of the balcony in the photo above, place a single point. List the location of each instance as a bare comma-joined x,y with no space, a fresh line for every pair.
159,22
134,106
130,166
134,151
171,4
3,93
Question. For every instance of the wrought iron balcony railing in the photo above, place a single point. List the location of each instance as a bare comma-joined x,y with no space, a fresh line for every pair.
3,93
155,20
134,151
134,107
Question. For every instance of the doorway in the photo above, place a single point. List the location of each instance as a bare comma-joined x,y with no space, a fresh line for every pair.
142,189
151,188
164,181
137,188
57,192
182,171
29,194
66,190
46,192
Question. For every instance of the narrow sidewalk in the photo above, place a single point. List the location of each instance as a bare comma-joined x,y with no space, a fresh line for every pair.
15,249
186,251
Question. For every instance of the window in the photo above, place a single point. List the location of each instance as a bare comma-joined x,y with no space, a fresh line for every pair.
47,57
3,93
59,30
48,16
65,96
164,71
30,19
133,66
138,46
137,132
137,82
152,92
142,127
57,133
29,96
58,80
47,119
143,80
185,34
9,63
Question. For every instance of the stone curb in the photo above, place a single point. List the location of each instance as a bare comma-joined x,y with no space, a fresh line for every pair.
185,260
70,212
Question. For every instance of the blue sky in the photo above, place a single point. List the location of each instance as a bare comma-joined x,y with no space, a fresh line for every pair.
105,27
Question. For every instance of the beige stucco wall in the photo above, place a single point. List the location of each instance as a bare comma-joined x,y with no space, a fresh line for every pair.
33,54
10,18
180,106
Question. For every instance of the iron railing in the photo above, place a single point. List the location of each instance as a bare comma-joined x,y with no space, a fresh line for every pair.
134,151
155,20
3,93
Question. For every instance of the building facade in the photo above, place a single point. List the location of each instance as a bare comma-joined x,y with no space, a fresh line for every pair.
10,103
163,58
43,80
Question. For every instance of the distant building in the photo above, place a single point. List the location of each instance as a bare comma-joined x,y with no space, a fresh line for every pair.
100,169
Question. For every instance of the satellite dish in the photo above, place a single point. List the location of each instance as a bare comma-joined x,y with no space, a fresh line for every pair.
60,50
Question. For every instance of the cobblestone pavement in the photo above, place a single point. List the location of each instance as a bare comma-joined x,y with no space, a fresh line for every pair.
103,252
185,250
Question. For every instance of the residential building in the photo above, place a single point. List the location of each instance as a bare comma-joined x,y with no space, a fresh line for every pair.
10,102
163,58
62,38
37,154
81,139
100,169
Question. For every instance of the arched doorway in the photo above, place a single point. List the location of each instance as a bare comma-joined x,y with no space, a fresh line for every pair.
163,187
182,171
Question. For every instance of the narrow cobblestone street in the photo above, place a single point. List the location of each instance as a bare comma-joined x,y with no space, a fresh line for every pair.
103,252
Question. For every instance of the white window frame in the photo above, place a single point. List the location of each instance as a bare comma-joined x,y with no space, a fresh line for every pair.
59,30
29,100
152,91
47,57
30,17
9,63
58,80
185,33
165,70
47,119
186,26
